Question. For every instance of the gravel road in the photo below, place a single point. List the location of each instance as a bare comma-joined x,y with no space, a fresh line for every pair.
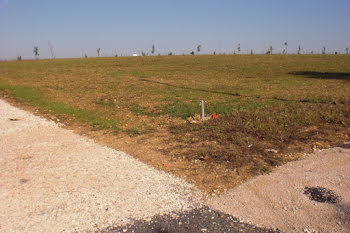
52,180
287,198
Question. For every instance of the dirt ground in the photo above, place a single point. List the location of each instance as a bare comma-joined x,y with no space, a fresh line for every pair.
278,200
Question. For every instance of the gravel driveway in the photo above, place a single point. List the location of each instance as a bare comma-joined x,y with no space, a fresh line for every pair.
53,180
309,195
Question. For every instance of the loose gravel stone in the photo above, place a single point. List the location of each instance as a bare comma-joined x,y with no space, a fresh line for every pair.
311,194
53,180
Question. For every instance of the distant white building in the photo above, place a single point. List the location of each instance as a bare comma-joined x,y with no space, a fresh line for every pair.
135,55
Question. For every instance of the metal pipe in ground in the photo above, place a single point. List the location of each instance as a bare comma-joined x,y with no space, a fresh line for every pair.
202,105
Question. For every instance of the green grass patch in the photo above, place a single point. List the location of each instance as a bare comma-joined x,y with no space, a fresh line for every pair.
142,111
35,98
132,132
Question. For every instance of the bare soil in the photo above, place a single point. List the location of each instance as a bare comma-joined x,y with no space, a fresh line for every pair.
281,199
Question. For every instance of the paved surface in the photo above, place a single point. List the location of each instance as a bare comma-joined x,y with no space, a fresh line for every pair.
197,220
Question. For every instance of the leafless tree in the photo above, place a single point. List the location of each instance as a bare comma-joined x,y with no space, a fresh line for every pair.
51,49
36,51
199,48
270,49
286,47
153,49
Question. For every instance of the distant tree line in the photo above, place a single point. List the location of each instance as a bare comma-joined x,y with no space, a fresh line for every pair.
198,49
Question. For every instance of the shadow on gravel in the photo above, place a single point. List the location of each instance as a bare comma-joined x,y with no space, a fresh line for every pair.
323,75
197,220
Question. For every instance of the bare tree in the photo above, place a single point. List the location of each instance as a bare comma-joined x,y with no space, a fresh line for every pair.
51,50
239,48
153,49
299,49
98,51
251,52
199,48
286,47
323,50
36,52
346,50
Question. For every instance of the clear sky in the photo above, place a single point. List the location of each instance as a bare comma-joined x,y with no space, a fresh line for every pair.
76,27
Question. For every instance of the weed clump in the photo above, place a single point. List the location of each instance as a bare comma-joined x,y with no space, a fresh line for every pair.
257,140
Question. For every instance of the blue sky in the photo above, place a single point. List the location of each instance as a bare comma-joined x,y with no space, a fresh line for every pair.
76,27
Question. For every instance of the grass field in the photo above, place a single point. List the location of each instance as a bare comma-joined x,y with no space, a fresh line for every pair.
289,103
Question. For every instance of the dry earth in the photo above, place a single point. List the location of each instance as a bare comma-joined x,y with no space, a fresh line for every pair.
277,200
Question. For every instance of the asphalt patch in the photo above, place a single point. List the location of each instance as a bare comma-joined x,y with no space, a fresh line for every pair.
197,220
321,194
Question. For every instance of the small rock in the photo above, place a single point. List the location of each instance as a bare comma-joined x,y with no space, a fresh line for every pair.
271,150
204,230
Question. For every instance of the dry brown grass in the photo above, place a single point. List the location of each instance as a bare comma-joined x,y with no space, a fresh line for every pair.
288,103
